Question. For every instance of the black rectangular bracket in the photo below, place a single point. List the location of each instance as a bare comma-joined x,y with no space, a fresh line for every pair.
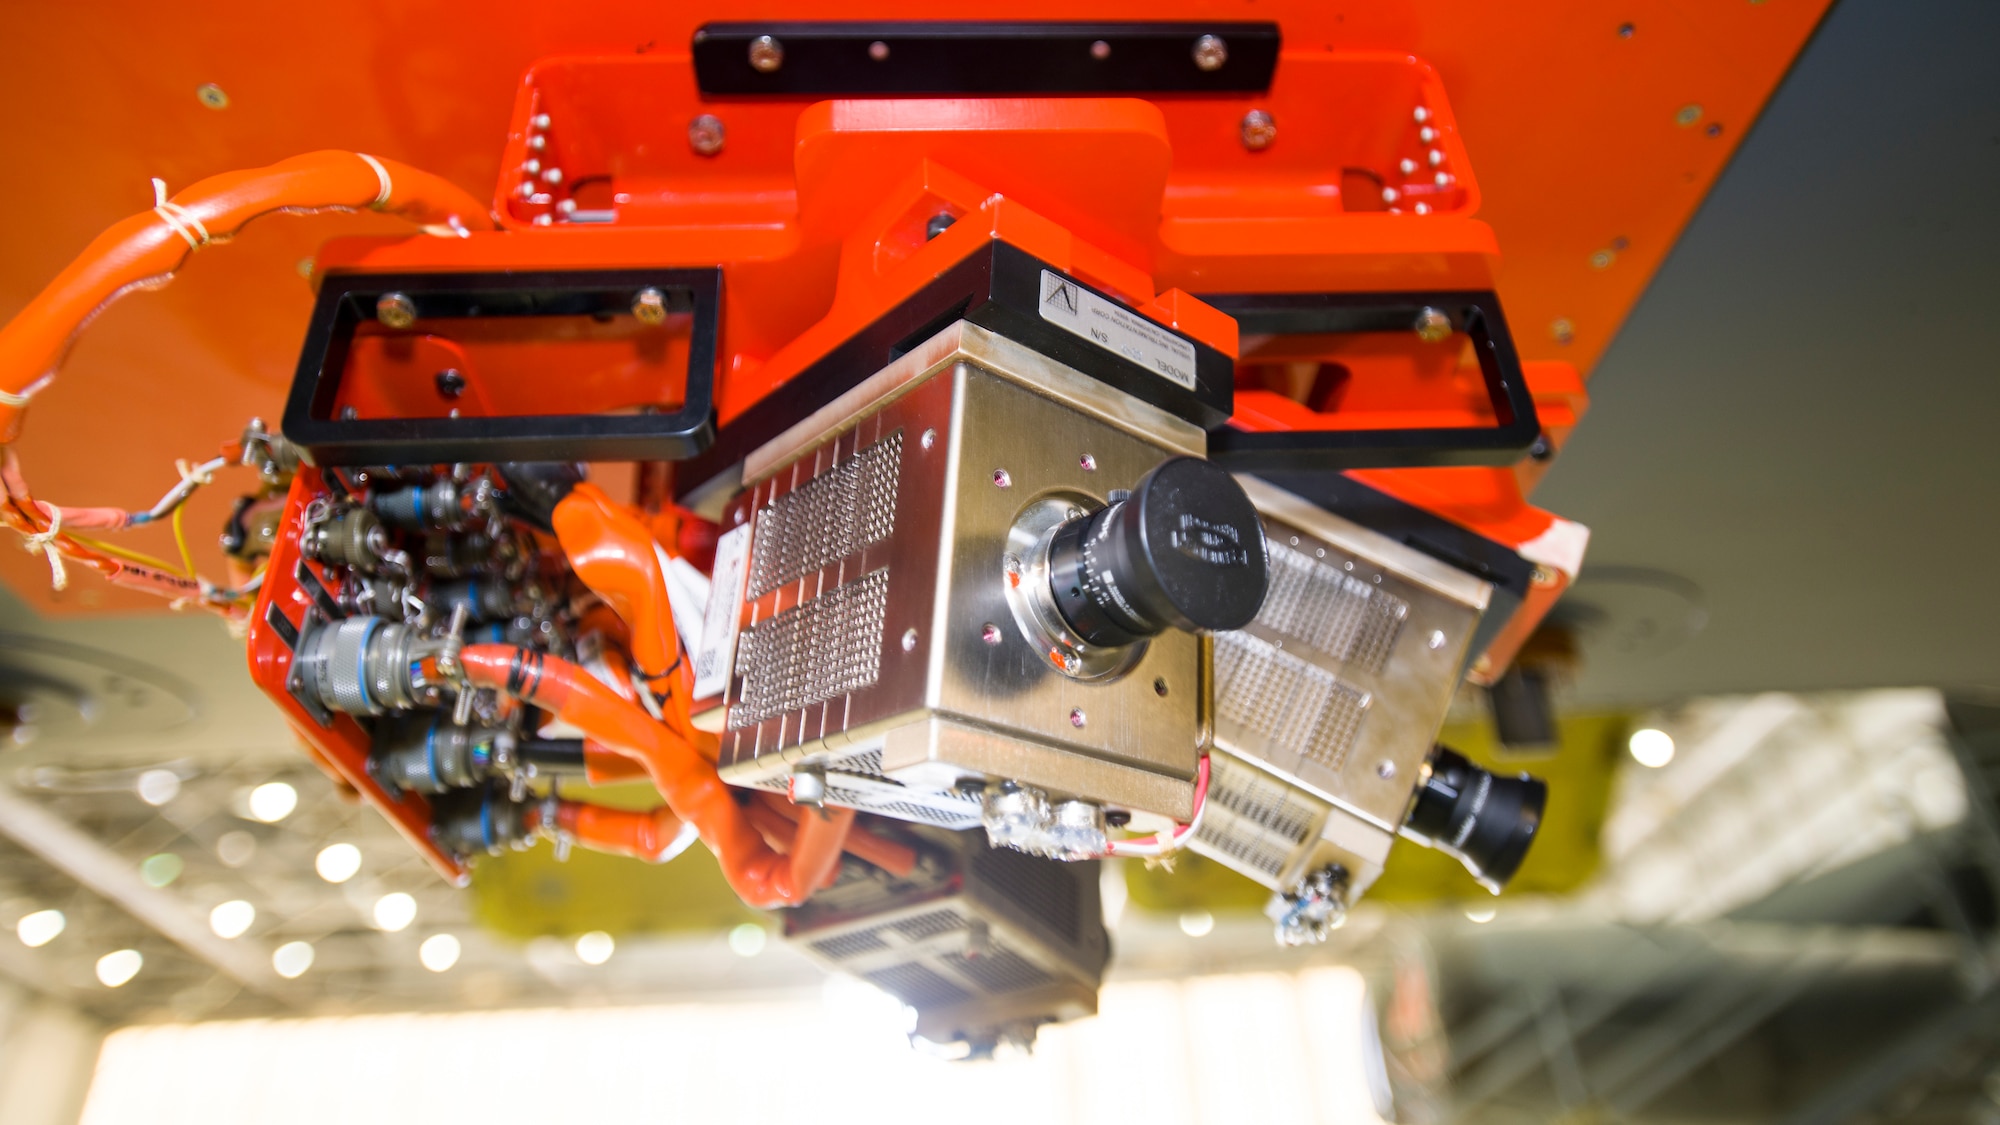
346,300
1477,314
822,60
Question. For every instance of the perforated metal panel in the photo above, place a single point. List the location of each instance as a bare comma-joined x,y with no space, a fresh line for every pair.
1255,820
1319,601
813,652
828,518
1273,695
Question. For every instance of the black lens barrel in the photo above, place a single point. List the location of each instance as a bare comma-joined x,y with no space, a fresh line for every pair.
1484,821
1184,551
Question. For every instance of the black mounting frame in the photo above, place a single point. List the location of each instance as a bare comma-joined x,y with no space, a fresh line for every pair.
348,299
819,60
1476,313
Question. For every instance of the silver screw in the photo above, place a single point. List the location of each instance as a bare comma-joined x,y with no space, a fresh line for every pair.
929,439
1077,717
1210,52
395,310
539,121
705,134
650,306
1562,330
1433,326
1437,638
878,50
1100,50
537,143
766,54
1385,769
990,633
909,640
1259,130
1001,479
1544,576
1422,115
1088,462
552,176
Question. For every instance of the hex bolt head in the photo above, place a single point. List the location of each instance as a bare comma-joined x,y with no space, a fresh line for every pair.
1259,130
1210,52
650,306
705,134
450,382
395,310
1433,326
766,54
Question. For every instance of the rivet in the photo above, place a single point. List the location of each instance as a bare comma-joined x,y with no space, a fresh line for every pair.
1100,50
537,144
1427,134
1562,330
929,439
1437,638
909,640
1602,259
539,121
1408,166
552,176
1210,52
1422,115
878,50
1259,129
766,54
1088,463
1390,195
705,134
1688,115
1385,769
1077,717
212,96
1435,157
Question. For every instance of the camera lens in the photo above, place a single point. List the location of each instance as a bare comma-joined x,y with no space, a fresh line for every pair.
1185,550
1483,821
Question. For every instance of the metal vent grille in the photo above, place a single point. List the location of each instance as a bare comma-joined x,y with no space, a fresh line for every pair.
844,946
827,518
1255,819
813,652
929,925
867,763
923,814
916,985
1274,697
1044,888
999,970
1352,621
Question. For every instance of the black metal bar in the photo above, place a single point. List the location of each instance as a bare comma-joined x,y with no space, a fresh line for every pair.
1477,314
973,58
346,300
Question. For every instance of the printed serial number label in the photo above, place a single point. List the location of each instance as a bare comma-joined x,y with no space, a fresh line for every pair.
725,608
1116,329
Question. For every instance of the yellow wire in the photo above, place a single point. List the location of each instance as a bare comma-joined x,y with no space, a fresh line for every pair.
127,554
181,539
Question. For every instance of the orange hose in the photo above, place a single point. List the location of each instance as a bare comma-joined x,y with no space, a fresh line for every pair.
774,816
143,252
760,876
604,766
649,835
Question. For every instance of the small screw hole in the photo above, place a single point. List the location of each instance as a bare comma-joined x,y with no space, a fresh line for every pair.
1160,687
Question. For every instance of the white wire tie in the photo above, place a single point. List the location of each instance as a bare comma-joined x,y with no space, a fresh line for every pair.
194,475
44,543
179,218
9,398
381,174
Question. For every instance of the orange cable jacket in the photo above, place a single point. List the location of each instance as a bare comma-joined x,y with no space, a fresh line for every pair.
642,834
772,814
146,248
604,766
758,874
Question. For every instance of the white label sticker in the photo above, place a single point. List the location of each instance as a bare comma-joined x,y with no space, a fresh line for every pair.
717,653
1116,329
